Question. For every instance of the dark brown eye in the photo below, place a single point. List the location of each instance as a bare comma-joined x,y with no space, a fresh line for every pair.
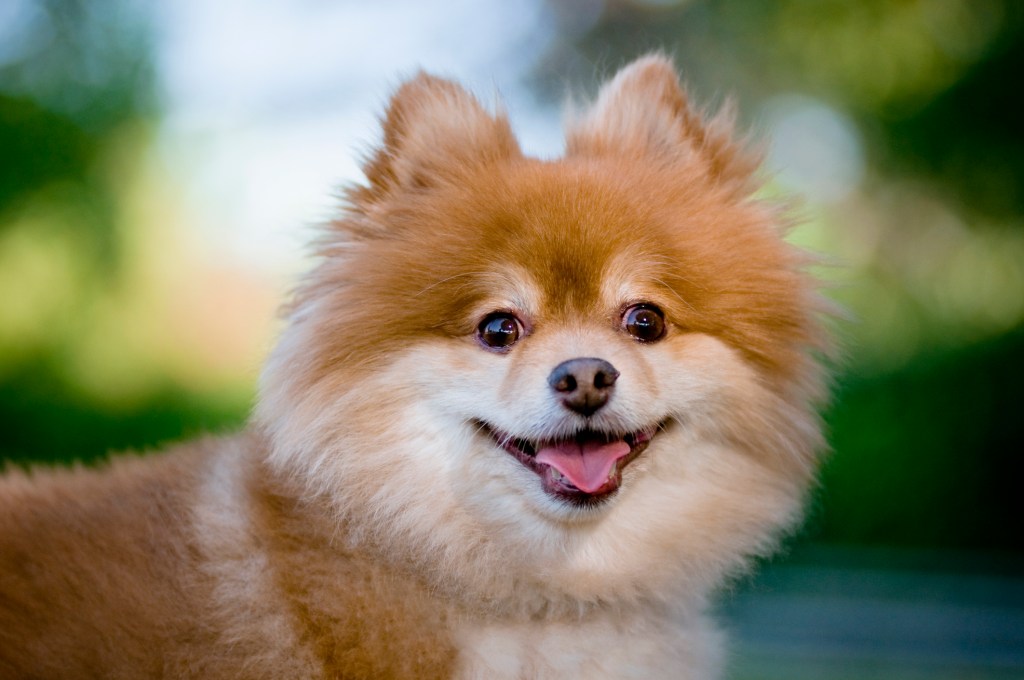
645,322
499,330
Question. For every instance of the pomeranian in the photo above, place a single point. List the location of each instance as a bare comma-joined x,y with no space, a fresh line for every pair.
525,418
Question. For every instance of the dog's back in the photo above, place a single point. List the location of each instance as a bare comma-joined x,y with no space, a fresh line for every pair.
188,564
91,577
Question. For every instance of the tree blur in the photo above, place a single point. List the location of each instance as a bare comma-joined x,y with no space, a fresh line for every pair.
88,353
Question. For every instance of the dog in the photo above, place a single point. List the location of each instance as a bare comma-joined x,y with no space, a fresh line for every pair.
525,418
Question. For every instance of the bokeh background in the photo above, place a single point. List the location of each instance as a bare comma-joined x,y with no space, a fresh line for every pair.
162,165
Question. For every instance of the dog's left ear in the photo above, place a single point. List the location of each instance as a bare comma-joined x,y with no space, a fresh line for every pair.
434,131
644,112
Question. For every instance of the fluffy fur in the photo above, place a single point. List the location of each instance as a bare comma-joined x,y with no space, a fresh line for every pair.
384,515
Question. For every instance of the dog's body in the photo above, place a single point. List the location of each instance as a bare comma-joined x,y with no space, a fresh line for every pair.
526,416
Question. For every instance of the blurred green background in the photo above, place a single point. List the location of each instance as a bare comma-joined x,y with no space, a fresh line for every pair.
121,326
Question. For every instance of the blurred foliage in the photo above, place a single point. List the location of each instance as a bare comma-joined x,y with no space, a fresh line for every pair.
73,73
969,137
46,420
77,96
929,455
75,77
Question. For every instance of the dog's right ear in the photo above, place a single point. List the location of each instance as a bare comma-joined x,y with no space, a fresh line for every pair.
434,132
645,112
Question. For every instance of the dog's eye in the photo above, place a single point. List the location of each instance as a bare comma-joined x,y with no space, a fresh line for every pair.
645,322
499,330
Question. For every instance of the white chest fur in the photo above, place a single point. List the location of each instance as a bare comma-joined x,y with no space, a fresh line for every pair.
635,646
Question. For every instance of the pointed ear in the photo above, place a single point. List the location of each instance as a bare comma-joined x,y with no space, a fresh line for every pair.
434,131
644,111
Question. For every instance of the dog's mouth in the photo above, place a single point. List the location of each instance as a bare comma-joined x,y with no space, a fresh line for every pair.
584,468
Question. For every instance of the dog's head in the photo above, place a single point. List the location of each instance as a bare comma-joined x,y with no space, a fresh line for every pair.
588,373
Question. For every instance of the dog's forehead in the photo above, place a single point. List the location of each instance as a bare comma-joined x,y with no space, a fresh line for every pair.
566,239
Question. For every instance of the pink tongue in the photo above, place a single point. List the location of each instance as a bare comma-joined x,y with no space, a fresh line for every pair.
586,465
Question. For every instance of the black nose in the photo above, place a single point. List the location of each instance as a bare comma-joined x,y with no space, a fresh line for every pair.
584,384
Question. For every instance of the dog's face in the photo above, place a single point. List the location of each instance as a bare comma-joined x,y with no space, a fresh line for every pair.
589,372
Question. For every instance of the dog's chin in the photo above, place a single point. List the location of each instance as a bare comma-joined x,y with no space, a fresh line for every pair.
580,470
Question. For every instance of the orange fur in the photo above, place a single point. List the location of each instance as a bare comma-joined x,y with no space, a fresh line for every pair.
368,523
